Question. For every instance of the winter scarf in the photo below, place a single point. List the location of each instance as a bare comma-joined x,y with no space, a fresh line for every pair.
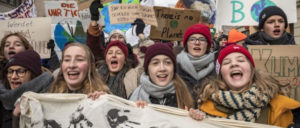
269,40
115,83
147,89
197,67
246,106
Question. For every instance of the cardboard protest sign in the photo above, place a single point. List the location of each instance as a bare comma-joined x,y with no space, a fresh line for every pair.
281,61
173,22
35,30
127,13
246,12
25,10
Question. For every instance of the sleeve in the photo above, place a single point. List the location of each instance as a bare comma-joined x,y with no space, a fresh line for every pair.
9,97
95,41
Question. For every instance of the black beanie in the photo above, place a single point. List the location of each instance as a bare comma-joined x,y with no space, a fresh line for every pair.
268,12
28,59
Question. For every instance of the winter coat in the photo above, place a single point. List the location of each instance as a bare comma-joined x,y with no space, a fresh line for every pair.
95,41
9,97
193,84
279,112
256,39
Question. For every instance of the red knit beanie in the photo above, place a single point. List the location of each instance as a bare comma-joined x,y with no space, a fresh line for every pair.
158,49
119,44
197,29
230,49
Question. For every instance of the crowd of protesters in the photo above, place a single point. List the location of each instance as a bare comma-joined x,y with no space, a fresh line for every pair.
205,76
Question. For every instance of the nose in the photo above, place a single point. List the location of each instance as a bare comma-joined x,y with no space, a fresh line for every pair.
162,67
234,63
14,75
73,63
11,45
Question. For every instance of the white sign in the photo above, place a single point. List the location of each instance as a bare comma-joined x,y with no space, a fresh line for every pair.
246,12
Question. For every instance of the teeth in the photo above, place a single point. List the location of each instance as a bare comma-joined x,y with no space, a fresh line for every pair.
73,73
162,76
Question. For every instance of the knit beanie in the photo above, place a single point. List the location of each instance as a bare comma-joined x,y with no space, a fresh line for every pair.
28,59
235,36
116,31
197,29
230,49
271,11
158,49
119,44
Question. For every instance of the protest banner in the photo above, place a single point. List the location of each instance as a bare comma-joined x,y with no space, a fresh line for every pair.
127,13
25,10
281,61
173,22
109,111
246,12
35,30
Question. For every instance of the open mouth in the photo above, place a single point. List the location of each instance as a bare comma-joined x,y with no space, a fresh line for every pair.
236,75
197,49
276,32
162,77
11,53
16,84
114,64
73,75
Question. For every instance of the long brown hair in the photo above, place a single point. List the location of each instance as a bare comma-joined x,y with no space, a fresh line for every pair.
184,98
25,42
92,82
265,82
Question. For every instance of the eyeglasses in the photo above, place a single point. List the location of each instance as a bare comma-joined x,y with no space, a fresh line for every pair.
19,72
194,40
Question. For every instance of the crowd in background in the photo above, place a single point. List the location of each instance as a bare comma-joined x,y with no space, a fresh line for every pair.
205,75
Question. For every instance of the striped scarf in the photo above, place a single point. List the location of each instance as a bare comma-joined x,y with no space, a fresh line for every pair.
247,105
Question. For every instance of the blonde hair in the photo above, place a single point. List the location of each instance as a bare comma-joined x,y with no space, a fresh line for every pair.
265,82
91,83
183,96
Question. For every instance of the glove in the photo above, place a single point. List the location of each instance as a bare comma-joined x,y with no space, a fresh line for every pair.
140,25
51,44
95,5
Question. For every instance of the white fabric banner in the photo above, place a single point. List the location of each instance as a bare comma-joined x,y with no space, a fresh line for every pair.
246,12
76,110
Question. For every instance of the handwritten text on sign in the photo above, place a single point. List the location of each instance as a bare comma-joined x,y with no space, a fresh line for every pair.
173,22
283,65
60,10
127,13
36,30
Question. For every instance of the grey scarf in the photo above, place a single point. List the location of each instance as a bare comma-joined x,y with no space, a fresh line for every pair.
269,40
148,88
197,67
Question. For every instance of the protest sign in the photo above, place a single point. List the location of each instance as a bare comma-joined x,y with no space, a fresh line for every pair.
25,10
127,13
246,12
62,10
35,30
109,111
281,61
173,22
66,25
